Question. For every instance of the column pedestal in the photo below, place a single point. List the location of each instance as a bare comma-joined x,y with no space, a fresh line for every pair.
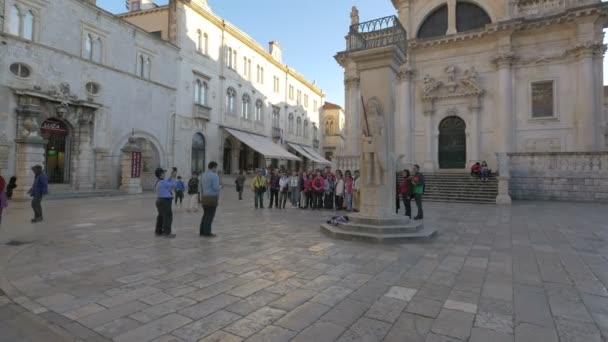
503,197
30,152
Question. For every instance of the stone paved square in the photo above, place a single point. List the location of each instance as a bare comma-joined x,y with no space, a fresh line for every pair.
536,271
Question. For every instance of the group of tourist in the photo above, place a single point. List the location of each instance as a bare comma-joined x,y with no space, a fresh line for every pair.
321,189
481,170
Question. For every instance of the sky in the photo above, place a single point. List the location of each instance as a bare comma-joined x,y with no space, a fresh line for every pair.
310,32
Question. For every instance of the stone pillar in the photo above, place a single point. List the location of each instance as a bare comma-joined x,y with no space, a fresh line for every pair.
587,113
353,112
451,17
131,184
405,116
30,148
85,150
475,132
504,127
503,179
429,162
236,157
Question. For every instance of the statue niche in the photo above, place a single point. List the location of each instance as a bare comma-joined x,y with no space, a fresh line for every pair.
375,141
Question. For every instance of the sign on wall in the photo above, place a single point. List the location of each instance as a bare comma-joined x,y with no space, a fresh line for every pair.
54,127
135,164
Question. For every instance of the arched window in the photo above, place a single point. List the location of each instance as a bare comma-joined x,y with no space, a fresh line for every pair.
259,107
198,153
245,109
290,124
15,21
299,127
88,47
148,68
97,50
276,117
198,42
436,24
470,17
198,91
205,44
305,128
329,127
28,26
142,66
231,101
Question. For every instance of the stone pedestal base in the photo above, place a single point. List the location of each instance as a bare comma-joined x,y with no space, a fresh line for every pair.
503,191
392,229
30,152
131,186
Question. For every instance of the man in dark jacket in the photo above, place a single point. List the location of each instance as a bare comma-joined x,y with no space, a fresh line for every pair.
40,187
273,183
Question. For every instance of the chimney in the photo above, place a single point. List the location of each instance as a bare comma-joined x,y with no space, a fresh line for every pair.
275,51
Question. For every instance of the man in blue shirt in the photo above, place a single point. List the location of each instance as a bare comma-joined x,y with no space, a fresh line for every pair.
210,199
39,189
164,196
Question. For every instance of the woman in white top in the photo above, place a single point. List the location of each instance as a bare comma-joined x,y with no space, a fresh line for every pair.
339,192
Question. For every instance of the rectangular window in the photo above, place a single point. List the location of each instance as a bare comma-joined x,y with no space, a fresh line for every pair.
262,75
291,92
245,66
542,99
306,100
299,100
314,105
258,74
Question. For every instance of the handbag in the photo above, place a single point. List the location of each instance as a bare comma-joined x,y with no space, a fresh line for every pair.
210,201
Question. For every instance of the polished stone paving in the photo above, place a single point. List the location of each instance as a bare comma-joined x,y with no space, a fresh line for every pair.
536,271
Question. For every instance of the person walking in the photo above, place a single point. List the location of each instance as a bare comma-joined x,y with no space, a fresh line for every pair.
39,189
339,191
356,191
3,197
258,186
283,190
274,185
406,192
294,189
348,190
418,190
210,199
179,191
240,184
328,200
12,184
193,192
164,198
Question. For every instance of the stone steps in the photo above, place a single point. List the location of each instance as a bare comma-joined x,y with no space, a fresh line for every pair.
342,234
460,188
379,230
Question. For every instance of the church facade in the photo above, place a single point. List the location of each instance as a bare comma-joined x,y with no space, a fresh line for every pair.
489,76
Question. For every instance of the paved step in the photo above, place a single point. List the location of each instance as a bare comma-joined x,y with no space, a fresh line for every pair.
341,234
460,188
84,194
410,228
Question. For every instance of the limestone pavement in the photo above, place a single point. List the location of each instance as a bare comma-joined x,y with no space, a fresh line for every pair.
536,271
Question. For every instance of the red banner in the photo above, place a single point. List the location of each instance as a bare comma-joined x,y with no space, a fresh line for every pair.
135,164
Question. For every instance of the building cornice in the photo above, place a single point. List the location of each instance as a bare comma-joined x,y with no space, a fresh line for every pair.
251,43
144,12
514,25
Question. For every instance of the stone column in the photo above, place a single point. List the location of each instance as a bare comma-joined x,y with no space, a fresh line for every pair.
236,153
475,131
30,148
586,105
451,17
503,179
130,184
504,127
405,116
85,150
429,162
353,112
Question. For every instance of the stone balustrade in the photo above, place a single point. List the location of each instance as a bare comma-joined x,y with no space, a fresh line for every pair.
346,163
568,176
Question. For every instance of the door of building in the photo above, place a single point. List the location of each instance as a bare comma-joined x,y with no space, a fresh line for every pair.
452,143
57,152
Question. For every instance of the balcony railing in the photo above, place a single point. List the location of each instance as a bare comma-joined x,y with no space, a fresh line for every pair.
377,33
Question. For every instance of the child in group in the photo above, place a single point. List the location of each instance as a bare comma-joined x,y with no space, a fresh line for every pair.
179,191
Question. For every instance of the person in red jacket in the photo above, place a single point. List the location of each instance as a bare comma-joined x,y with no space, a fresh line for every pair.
406,192
308,192
318,187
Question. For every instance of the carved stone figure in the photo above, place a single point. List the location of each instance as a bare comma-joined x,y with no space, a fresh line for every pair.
451,71
430,84
470,78
375,158
354,16
30,127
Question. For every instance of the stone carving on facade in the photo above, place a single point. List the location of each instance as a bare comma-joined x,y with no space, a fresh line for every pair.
86,117
30,127
351,82
354,16
406,73
586,49
504,59
466,86
375,154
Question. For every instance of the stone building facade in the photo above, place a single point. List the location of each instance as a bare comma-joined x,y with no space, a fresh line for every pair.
334,120
228,82
75,84
489,76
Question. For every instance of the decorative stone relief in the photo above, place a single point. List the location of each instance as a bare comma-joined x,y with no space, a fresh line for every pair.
351,82
467,85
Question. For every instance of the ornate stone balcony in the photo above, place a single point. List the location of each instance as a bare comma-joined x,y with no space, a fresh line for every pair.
202,112
377,33
527,8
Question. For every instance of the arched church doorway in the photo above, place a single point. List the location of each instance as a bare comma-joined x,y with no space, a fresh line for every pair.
57,152
452,143
227,157
198,153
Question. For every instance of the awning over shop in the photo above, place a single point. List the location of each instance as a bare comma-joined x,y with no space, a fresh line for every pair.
310,153
263,145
